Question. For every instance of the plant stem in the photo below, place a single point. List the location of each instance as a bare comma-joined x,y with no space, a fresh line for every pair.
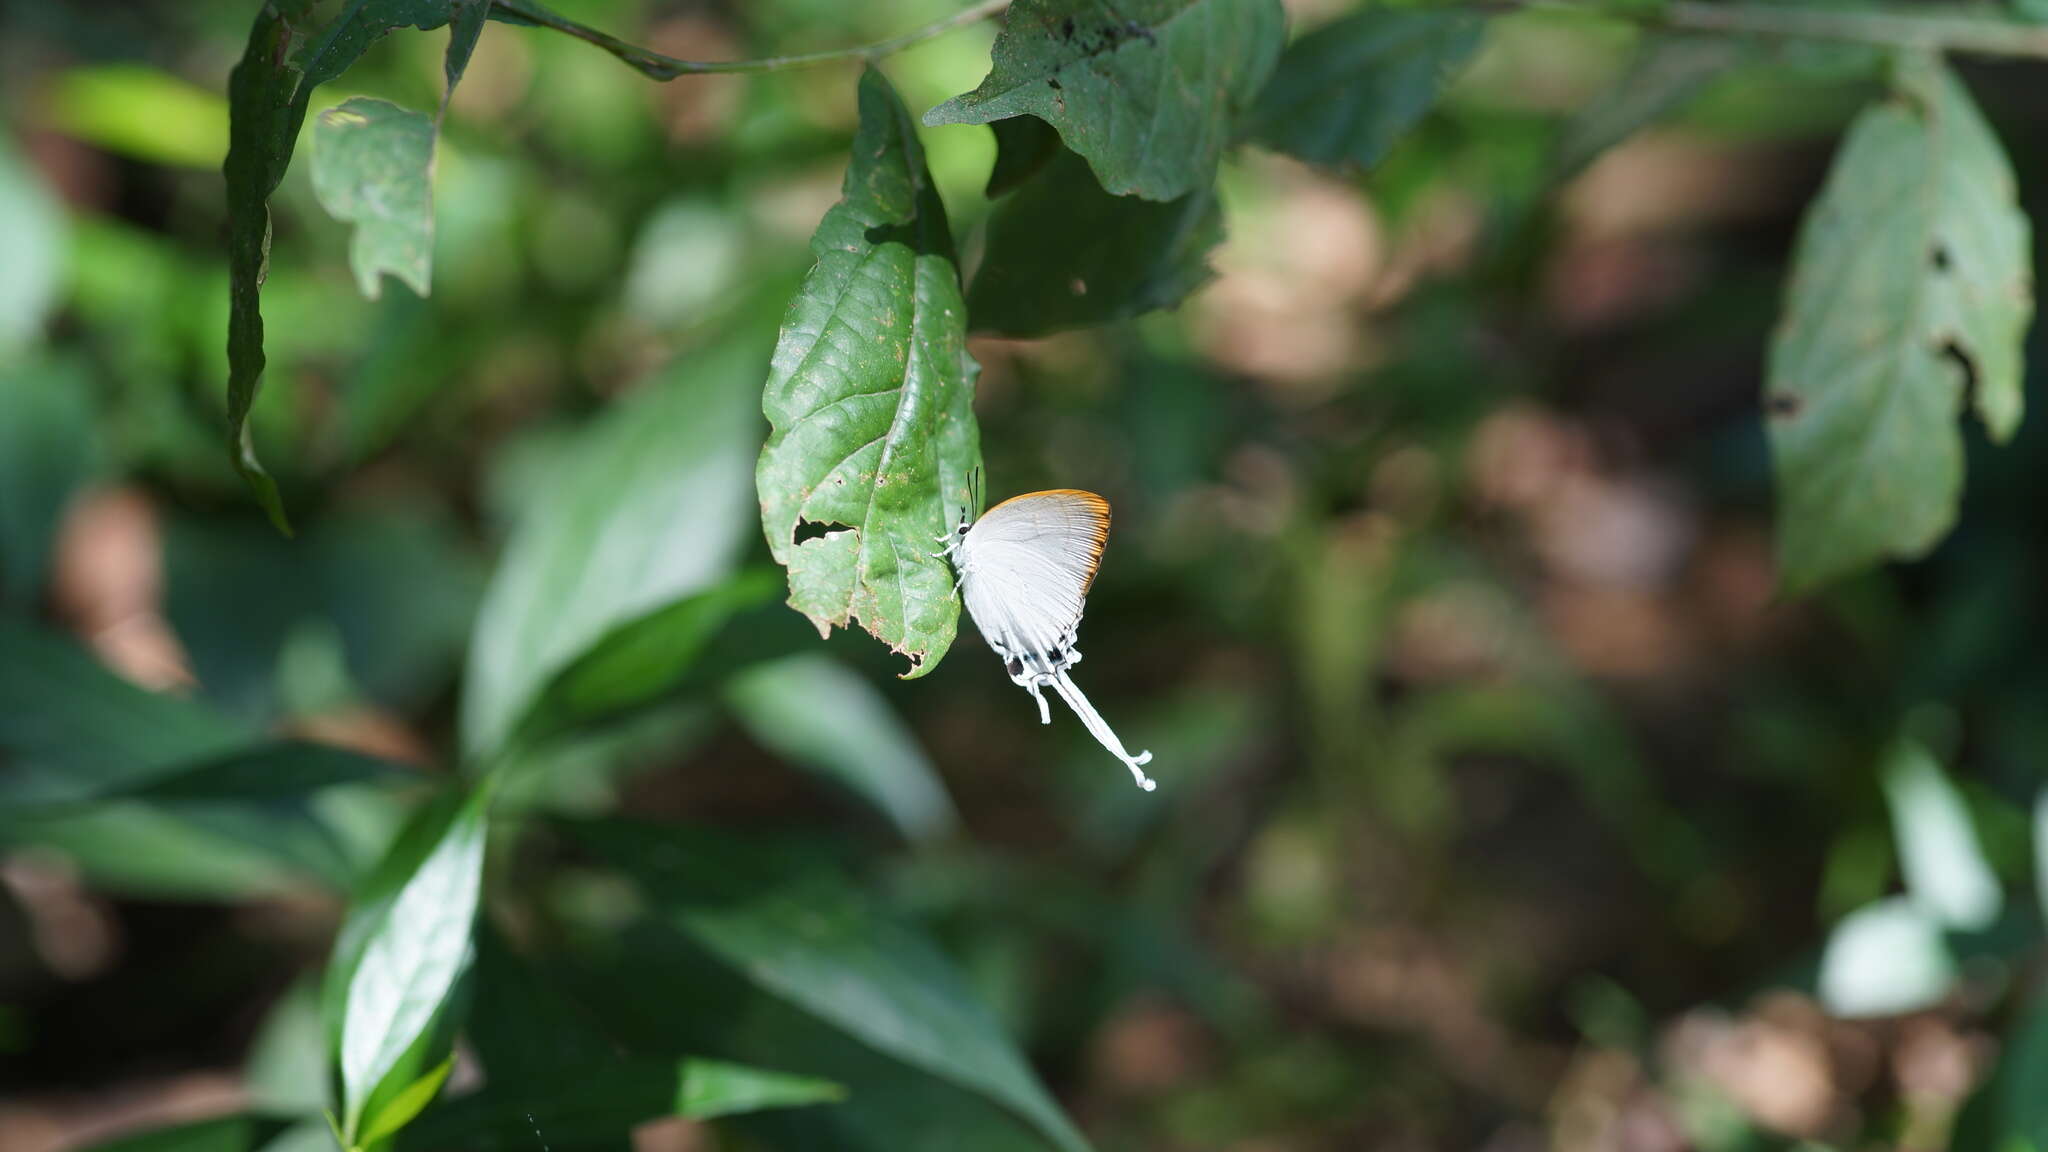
662,67
1982,36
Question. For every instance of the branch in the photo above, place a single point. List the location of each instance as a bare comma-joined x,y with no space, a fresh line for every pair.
1977,35
662,67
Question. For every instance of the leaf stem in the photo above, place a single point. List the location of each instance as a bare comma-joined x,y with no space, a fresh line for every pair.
662,67
1980,36
1887,28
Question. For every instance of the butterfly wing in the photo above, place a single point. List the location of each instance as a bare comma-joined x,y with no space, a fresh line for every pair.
1026,567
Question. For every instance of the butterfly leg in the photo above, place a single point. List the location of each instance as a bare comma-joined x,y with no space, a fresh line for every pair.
1044,709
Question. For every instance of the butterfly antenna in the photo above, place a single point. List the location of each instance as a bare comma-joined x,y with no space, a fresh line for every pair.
1101,731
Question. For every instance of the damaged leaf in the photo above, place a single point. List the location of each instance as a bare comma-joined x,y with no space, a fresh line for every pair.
1911,290
870,403
1149,91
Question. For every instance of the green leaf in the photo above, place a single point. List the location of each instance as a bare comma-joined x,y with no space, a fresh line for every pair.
142,112
411,956
1023,146
1911,279
268,92
1149,91
870,401
548,1069
1062,253
1669,70
624,557
408,1102
815,712
91,730
604,1102
373,165
32,247
1346,92
1946,873
390,588
238,1133
49,449
793,928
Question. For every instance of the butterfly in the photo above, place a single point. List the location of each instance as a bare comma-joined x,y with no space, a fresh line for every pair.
1025,567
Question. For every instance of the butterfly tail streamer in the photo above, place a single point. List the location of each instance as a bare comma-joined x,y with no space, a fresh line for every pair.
1098,728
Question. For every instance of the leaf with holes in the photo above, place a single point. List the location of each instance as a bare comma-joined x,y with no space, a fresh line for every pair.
373,165
1911,281
1062,253
1346,92
1149,91
870,403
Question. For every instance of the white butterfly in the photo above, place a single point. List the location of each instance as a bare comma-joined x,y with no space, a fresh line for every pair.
1025,568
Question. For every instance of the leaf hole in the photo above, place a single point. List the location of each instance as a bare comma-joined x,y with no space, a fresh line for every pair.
1783,405
1954,354
809,530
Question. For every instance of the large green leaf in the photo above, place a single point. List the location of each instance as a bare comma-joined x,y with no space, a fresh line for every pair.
410,956
288,55
237,1133
153,792
49,449
634,536
1149,91
549,1070
1911,281
1346,92
373,165
61,708
1063,253
870,401
820,714
789,924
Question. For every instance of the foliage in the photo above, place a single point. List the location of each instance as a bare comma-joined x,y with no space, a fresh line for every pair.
1428,355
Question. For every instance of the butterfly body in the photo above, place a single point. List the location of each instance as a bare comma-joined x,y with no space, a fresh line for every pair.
1025,569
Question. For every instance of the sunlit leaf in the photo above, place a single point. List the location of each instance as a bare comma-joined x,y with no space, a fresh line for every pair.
1946,872
791,926
1911,280
410,958
1885,959
32,245
143,112
1148,91
870,403
623,557
1346,92
373,166
408,1102
1063,253
823,716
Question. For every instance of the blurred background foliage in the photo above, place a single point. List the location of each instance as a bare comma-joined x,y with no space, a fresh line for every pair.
1504,803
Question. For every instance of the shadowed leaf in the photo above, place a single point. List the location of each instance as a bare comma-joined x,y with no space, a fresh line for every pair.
1148,91
1062,253
1346,92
